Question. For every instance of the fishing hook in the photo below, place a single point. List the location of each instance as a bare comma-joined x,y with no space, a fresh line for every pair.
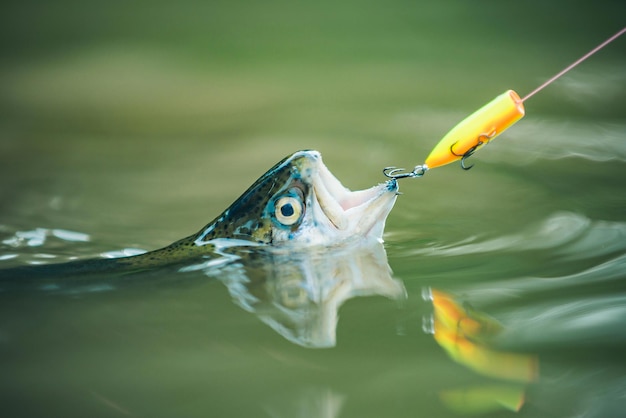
467,154
471,151
396,173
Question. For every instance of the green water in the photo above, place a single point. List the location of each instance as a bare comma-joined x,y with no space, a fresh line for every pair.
131,125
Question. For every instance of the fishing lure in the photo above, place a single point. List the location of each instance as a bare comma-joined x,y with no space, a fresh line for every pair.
483,126
477,130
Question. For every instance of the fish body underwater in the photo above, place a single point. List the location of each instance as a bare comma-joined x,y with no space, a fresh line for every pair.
297,203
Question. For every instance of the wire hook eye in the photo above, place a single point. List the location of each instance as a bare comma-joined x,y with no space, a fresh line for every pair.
396,173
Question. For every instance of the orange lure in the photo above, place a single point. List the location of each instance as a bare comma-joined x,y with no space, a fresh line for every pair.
477,129
483,125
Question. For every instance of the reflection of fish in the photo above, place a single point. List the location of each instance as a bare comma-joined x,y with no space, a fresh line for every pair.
299,293
297,202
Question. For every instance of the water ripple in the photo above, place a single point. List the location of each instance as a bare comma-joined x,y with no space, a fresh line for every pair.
597,318
37,237
553,140
610,270
570,234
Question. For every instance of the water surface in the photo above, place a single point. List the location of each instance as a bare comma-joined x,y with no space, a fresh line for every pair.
124,130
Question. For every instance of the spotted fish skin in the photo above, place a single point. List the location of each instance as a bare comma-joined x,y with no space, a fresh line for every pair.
246,219
280,208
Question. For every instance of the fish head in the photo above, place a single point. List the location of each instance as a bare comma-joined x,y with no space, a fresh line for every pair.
299,201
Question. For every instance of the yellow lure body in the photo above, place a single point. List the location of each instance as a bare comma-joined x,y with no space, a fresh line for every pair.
477,129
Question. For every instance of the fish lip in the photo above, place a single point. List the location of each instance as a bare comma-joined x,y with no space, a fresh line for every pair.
346,208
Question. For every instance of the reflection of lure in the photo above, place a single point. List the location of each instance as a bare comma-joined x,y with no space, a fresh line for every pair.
462,333
458,331
484,399
452,316
488,362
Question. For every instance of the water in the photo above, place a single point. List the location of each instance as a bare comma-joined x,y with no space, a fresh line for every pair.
126,129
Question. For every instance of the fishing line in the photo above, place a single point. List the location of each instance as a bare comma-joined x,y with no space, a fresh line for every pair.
484,125
574,64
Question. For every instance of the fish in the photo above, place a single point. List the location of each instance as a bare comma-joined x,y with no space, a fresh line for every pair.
297,203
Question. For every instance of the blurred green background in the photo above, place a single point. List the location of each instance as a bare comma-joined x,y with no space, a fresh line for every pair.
143,99
138,122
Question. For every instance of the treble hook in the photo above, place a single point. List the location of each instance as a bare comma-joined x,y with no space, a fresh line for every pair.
395,173
467,154
471,151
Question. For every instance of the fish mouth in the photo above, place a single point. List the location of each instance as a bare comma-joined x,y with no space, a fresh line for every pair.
358,211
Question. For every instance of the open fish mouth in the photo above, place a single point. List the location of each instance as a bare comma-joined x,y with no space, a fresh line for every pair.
359,211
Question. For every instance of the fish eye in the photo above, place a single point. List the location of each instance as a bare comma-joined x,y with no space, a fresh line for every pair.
288,210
